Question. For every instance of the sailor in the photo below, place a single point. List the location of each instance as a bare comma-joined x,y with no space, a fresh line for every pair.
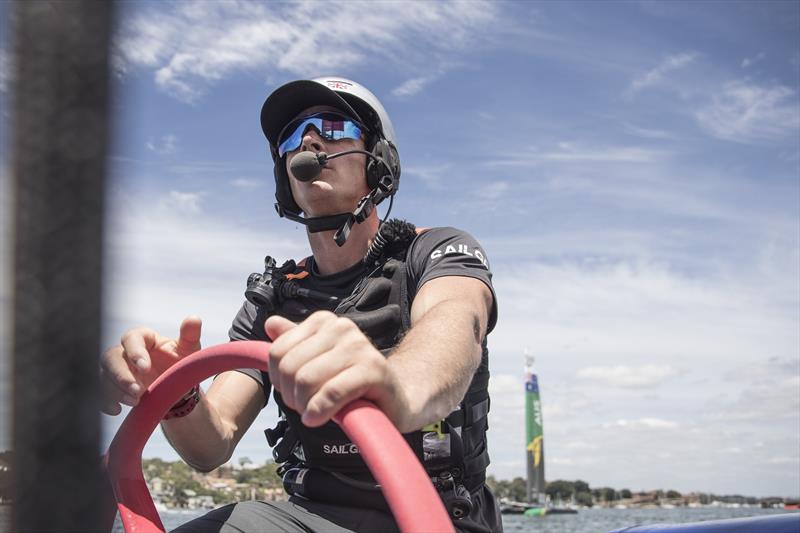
380,310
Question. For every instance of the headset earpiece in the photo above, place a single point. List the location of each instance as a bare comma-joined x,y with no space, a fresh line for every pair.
377,170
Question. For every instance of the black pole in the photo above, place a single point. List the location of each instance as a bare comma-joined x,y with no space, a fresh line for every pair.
60,131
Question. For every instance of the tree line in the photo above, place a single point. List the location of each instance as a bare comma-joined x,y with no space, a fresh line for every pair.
577,491
580,493
181,477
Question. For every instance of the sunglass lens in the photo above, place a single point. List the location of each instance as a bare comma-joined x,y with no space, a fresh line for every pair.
330,126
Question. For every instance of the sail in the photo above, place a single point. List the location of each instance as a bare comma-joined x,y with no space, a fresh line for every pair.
534,435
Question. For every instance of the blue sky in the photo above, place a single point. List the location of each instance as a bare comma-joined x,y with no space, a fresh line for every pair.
631,168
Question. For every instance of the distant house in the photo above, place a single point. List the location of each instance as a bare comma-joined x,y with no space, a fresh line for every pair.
157,485
199,502
274,494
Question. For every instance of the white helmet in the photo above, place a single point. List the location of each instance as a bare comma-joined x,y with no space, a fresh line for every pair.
354,99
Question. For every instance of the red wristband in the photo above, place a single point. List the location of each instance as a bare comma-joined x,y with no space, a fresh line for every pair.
185,405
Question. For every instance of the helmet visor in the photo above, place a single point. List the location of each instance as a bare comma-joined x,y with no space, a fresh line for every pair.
330,126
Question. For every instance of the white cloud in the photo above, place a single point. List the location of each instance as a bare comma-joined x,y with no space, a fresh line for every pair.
647,422
411,87
722,346
170,78
790,460
146,40
246,183
647,133
167,145
656,75
747,113
433,176
493,190
580,445
628,376
184,202
777,397
177,260
197,44
611,310
570,152
747,62
617,181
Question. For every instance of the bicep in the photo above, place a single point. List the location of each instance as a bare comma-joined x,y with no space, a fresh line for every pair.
237,398
466,294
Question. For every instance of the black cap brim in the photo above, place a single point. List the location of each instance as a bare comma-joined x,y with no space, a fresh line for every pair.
288,100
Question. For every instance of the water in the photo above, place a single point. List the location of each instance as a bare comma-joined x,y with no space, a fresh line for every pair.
604,520
586,521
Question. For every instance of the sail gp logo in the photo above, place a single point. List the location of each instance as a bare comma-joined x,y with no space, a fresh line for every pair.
460,249
340,449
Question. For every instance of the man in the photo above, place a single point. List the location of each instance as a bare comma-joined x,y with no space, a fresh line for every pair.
379,311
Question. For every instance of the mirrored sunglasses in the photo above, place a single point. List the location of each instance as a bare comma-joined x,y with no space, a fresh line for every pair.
330,126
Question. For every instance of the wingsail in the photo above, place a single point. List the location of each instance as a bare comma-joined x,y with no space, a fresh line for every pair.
534,435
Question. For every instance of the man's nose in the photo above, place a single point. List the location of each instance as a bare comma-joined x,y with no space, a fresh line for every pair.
312,141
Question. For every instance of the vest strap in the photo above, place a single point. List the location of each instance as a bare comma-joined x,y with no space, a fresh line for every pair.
283,450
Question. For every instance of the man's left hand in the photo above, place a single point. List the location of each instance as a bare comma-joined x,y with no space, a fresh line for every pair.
326,362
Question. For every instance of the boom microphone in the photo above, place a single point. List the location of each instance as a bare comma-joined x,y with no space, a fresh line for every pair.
307,165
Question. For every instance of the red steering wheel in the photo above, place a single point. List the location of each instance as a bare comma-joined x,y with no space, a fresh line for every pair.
405,484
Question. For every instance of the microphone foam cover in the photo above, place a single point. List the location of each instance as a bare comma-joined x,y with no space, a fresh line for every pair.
305,166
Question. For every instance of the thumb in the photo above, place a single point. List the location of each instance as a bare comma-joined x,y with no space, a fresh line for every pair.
189,338
275,326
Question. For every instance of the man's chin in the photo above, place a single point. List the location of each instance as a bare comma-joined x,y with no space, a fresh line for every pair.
321,185
330,209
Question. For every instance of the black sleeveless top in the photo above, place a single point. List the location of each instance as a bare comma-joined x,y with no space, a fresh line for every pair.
378,299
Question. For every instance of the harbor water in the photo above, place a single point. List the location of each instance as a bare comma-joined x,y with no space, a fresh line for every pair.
586,521
605,520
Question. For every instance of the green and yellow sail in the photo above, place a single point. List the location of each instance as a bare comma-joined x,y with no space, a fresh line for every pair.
534,432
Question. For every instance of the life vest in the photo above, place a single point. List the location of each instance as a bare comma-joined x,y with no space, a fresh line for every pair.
380,306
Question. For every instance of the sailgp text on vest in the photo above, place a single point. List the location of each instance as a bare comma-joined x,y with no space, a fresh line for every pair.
340,449
460,249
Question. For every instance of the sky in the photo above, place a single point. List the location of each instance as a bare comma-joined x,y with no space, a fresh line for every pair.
632,170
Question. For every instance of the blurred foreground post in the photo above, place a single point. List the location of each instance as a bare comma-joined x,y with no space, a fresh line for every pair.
59,132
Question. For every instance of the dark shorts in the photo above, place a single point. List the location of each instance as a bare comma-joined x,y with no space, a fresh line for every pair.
303,516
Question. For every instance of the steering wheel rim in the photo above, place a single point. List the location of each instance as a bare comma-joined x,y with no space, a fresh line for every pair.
414,502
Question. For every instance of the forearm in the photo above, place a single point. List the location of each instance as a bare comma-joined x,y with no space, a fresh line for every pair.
435,362
206,437
201,438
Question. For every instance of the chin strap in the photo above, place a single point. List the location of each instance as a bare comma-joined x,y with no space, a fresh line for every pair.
315,224
343,222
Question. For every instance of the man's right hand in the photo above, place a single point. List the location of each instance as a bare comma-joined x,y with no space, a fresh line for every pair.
126,370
